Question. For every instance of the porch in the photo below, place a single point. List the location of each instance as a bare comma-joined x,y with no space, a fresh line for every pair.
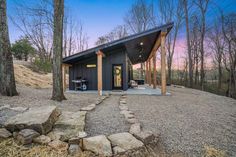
140,90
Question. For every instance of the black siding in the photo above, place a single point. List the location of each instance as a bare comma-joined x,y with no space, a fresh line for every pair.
111,57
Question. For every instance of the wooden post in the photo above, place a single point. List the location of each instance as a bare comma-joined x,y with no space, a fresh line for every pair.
64,76
146,72
99,71
150,73
163,63
154,71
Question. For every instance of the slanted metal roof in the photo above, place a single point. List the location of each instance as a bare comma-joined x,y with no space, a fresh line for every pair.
138,46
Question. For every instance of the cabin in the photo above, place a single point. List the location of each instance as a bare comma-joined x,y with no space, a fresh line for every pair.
109,66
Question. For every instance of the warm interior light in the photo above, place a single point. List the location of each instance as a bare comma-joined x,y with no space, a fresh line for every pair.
141,43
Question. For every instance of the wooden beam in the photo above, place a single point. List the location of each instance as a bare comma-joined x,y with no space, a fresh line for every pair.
99,71
163,63
155,47
150,73
154,71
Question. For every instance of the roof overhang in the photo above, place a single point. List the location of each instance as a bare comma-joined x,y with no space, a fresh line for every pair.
137,46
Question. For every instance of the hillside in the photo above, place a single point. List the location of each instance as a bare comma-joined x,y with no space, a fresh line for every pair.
26,76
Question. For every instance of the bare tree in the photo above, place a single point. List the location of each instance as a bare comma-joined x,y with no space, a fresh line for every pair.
169,12
7,79
140,18
190,62
36,23
217,45
117,33
229,58
202,5
57,93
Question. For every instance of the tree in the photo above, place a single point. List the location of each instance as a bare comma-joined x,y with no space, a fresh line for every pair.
217,45
57,93
190,61
229,57
22,48
7,79
202,5
170,11
140,18
117,33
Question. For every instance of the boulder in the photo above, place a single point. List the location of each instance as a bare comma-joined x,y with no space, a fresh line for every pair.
4,107
69,125
42,139
88,108
58,145
74,149
125,141
40,119
98,144
26,136
4,133
135,128
74,140
145,136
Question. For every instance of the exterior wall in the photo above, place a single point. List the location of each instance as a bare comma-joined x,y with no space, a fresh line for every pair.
114,57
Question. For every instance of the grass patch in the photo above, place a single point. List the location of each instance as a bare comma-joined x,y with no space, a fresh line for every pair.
212,152
9,148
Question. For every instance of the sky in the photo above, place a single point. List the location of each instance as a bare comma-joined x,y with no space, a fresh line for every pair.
100,16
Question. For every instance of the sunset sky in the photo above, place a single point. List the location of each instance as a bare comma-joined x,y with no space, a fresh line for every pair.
101,16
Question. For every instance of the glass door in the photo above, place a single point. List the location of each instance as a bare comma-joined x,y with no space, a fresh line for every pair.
117,76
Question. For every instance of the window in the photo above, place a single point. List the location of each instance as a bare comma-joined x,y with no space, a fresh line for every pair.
91,65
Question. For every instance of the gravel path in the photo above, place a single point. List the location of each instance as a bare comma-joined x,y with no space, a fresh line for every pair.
189,120
106,118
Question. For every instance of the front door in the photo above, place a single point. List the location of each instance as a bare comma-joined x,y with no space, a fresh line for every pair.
117,71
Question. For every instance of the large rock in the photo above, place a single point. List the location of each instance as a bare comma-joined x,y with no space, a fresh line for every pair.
40,119
42,139
74,149
125,141
26,136
59,145
98,144
69,125
145,136
4,133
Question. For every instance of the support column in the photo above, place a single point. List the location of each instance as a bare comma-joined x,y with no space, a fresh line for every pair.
99,71
163,63
154,71
150,73
64,77
146,72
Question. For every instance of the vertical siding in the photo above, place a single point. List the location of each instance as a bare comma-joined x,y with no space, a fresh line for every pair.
111,57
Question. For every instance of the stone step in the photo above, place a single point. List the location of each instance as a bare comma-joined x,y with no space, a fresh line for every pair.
40,119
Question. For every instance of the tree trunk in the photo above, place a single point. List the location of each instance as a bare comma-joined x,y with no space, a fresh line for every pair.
57,93
169,72
190,64
220,76
7,78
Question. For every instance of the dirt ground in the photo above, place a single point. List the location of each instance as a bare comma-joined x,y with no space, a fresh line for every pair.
189,121
29,97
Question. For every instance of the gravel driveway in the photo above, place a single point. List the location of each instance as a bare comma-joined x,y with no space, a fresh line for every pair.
106,118
189,120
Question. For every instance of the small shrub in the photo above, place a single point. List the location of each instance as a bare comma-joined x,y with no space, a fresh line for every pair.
41,65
